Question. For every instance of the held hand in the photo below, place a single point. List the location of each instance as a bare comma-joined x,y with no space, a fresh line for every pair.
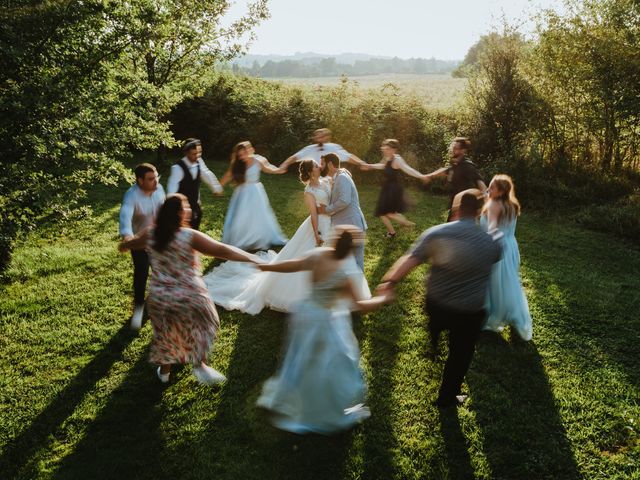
322,209
384,288
365,167
319,242
426,179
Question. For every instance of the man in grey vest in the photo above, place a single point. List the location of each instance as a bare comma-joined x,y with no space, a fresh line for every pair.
344,203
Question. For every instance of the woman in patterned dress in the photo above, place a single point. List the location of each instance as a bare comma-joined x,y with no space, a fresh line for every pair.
184,319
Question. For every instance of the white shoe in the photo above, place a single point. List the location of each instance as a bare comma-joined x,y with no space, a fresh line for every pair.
164,377
136,318
207,375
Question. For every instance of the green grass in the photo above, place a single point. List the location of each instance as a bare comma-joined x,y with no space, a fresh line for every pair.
435,90
78,398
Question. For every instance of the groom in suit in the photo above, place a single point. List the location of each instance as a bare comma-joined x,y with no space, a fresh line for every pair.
344,203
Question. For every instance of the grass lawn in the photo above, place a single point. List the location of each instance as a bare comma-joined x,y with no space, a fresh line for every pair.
78,398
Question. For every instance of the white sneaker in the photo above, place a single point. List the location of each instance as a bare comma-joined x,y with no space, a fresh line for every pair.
136,318
164,377
207,375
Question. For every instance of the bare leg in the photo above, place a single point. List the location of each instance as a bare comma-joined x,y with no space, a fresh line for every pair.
401,219
387,223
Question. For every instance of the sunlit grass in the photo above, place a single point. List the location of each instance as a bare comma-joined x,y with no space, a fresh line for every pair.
78,398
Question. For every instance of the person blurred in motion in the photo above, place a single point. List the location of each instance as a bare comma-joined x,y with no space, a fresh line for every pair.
250,223
319,387
321,146
344,202
139,208
184,319
507,304
391,201
239,286
461,256
462,174
186,176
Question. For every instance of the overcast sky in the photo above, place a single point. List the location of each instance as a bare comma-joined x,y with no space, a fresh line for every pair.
403,28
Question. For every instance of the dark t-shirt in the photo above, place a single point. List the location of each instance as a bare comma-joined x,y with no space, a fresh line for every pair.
462,176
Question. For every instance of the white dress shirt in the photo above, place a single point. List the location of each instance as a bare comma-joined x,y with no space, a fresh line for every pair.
139,210
207,176
315,151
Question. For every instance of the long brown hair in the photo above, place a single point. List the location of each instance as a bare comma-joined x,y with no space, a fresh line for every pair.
508,201
347,236
169,221
305,169
239,169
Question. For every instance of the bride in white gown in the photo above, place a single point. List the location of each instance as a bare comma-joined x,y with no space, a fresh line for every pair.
236,286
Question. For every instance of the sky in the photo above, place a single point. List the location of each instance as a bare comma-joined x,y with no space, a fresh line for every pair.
403,28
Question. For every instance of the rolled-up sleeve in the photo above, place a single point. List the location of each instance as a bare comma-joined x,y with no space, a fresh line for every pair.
126,214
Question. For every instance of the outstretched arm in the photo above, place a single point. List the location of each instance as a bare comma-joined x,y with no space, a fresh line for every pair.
374,166
208,246
370,304
408,169
441,172
356,160
288,266
400,269
137,242
344,197
226,178
267,167
210,178
288,162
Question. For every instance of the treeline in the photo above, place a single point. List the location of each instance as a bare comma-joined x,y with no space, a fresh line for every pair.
330,67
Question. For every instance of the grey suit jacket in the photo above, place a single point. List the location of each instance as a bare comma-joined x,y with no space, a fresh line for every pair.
344,203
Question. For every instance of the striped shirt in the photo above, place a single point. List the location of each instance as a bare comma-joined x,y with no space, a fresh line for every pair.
461,257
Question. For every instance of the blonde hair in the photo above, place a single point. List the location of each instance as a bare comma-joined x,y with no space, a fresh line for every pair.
391,142
510,206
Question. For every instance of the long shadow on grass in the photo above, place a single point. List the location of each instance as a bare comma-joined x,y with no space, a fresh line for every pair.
517,413
124,440
383,333
456,448
17,459
239,442
591,298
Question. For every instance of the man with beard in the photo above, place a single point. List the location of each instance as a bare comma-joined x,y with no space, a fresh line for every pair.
462,174
344,203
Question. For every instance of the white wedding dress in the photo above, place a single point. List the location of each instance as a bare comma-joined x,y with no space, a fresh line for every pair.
241,286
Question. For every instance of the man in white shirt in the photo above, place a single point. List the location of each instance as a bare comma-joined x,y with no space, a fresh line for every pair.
186,175
139,208
322,146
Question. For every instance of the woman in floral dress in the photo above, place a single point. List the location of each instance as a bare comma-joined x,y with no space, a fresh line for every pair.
184,319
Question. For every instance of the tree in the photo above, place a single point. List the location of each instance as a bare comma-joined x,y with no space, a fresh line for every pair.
81,83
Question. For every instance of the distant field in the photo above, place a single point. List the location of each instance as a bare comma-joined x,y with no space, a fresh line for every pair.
437,90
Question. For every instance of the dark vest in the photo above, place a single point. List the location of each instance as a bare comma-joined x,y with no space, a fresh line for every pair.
189,186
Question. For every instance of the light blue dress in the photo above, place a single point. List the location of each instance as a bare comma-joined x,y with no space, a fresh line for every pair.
507,304
319,387
250,223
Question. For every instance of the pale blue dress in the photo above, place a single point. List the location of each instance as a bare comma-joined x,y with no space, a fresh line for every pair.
250,223
319,387
506,302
